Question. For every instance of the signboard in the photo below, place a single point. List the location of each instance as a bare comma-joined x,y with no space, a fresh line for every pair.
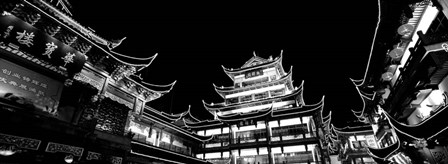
21,35
43,92
371,141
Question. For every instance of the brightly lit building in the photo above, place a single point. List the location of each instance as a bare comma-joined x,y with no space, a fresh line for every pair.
161,138
405,85
67,97
262,119
348,145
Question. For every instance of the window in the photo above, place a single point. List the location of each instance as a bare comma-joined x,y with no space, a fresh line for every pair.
256,81
246,98
232,100
359,144
237,85
277,92
261,95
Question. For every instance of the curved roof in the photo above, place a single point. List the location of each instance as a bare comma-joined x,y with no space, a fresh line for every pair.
327,118
231,72
133,61
203,124
300,110
382,154
428,129
267,112
366,97
154,87
87,34
173,117
236,117
166,121
188,116
162,115
221,106
354,129
222,91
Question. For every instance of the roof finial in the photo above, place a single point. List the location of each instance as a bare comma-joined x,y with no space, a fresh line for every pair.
255,54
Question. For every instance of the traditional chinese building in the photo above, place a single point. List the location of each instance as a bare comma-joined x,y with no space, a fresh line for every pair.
405,84
262,119
160,137
66,95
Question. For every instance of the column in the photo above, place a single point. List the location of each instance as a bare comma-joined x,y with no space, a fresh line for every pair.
232,157
105,85
268,140
157,140
321,151
150,133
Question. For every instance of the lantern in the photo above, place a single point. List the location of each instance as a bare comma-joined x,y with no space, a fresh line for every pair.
68,158
387,76
396,53
405,29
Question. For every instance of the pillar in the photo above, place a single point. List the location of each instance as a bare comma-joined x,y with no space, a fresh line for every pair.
268,140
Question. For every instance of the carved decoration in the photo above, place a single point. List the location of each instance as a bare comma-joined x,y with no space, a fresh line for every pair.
21,142
56,147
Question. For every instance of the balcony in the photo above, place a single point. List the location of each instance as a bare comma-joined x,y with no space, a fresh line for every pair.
140,151
143,139
299,157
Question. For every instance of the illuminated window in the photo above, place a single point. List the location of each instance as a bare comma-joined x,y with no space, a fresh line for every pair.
212,155
261,95
277,92
246,98
213,131
232,100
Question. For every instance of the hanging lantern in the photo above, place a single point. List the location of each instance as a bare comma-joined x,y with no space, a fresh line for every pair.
392,68
405,29
387,76
68,158
396,53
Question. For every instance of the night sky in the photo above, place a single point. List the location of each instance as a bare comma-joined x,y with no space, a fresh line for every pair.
326,43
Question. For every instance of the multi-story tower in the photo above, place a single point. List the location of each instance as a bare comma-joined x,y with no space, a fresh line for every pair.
262,119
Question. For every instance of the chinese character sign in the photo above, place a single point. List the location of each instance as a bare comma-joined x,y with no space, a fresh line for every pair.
43,92
39,44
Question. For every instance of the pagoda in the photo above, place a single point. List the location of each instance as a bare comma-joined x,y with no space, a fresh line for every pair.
262,119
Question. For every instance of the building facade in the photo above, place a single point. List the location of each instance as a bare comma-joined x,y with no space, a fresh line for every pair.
68,97
404,87
262,119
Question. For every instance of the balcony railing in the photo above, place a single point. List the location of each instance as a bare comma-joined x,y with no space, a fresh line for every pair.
219,160
298,158
143,139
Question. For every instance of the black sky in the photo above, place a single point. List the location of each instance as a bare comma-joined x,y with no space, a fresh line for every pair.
326,43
